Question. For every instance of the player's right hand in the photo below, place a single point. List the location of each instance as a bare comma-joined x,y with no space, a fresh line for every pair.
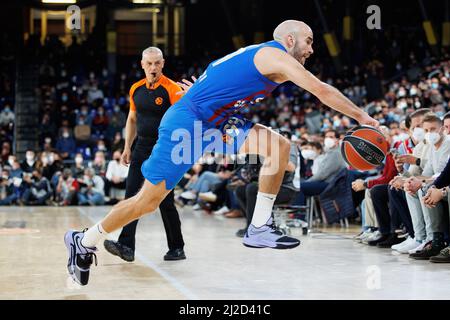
125,158
368,120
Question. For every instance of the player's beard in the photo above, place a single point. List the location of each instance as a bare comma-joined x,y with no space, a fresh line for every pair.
298,54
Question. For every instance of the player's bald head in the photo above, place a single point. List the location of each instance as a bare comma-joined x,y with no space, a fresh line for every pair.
297,37
290,27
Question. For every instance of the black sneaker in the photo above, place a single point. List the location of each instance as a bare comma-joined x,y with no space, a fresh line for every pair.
442,257
241,233
391,241
379,239
175,254
120,250
427,252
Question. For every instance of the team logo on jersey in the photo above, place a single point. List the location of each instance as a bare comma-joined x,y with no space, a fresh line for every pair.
159,101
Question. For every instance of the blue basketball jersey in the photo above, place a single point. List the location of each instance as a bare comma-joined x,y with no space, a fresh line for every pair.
229,84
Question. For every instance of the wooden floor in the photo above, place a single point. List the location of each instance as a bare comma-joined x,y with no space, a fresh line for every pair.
327,265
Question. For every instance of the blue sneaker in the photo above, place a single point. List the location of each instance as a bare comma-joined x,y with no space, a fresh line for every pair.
267,236
80,257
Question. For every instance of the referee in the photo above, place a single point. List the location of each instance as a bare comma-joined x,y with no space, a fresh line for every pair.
149,100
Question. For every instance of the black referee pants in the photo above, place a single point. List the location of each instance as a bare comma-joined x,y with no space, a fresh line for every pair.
172,225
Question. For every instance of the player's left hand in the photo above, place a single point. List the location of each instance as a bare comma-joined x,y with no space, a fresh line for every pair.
186,85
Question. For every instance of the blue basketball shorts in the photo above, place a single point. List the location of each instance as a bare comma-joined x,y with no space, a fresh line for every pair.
183,138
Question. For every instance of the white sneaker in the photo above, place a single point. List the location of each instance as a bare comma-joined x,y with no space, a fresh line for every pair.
418,247
196,207
362,235
221,211
208,196
408,242
188,195
374,236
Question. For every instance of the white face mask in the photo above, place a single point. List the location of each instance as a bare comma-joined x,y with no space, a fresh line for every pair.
65,135
329,143
78,160
11,162
418,134
401,137
29,157
309,154
432,137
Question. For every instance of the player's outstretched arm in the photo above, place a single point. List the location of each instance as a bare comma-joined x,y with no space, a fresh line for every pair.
271,61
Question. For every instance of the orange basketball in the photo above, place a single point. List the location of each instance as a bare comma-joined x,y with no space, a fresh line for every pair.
364,148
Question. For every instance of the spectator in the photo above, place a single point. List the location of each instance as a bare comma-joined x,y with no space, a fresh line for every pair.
39,189
78,167
66,144
116,175
67,188
29,164
92,189
7,192
6,116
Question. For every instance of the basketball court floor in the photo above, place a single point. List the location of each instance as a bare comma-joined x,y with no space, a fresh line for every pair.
327,265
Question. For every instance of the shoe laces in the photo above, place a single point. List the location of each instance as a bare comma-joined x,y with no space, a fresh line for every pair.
274,228
445,251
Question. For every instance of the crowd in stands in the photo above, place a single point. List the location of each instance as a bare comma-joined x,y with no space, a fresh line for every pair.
83,115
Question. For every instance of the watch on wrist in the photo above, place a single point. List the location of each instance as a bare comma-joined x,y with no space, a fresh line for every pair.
418,162
365,184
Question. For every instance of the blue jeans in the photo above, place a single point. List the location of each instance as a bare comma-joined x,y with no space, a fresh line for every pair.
206,181
94,198
313,188
9,200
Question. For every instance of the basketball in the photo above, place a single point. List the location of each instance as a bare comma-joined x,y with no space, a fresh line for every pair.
364,148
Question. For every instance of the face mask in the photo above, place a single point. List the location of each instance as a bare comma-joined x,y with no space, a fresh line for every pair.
434,85
78,160
329,143
7,110
48,141
29,157
10,162
309,154
100,113
51,158
116,109
401,93
336,123
210,160
418,134
84,112
64,98
412,91
273,123
101,147
417,104
65,135
401,137
80,123
5,177
432,137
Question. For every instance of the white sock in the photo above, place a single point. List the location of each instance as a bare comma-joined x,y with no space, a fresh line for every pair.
93,235
263,208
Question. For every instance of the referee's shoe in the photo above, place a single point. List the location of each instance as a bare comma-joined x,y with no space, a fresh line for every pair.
120,250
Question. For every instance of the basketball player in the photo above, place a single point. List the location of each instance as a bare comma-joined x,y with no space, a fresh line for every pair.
228,84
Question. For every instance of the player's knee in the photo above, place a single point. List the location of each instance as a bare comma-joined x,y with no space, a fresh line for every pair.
285,146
